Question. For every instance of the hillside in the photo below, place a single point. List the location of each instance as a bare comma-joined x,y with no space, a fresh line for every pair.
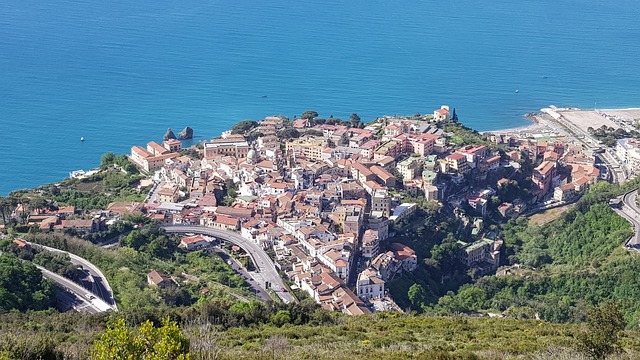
564,267
53,335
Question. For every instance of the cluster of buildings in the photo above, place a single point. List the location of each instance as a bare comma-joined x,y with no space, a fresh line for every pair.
64,218
323,202
565,171
315,200
320,199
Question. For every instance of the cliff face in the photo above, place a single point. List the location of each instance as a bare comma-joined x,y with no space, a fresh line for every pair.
169,134
185,134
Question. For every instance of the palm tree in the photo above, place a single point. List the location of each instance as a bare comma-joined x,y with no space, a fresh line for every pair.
24,203
5,209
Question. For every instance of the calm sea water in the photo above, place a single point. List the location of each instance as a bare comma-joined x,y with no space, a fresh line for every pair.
119,73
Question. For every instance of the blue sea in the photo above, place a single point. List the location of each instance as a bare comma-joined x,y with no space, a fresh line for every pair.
119,73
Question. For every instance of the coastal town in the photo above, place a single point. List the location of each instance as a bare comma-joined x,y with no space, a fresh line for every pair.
328,199
341,180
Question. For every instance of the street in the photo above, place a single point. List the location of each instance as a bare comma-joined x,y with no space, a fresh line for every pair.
81,302
100,285
238,268
152,197
267,270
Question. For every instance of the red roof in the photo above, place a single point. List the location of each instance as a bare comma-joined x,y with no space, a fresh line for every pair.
544,167
188,240
456,157
225,220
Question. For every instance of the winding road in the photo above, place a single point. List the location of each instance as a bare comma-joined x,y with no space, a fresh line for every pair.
100,289
631,212
91,304
267,270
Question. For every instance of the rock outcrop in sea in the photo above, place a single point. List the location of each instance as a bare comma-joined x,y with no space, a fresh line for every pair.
169,134
186,134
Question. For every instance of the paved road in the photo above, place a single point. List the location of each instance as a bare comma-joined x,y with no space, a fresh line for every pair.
152,197
92,306
238,268
101,288
631,212
267,270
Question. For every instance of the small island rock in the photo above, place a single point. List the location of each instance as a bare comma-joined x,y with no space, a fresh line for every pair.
186,134
169,134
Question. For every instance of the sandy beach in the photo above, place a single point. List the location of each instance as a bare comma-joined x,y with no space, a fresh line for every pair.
536,125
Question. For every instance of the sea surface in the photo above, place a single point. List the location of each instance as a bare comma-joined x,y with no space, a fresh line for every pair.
119,73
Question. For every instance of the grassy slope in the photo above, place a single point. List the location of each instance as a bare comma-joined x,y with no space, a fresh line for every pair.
391,337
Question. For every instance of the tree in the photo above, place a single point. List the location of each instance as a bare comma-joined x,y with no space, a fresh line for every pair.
281,317
309,114
204,340
431,207
59,263
22,286
244,126
134,240
449,257
277,345
355,120
314,132
107,159
289,133
5,209
231,192
603,327
176,296
146,342
25,203
417,295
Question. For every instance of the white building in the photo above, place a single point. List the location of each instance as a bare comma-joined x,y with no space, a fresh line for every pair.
194,242
403,211
628,151
370,285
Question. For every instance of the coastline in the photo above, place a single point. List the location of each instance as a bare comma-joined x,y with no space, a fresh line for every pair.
534,125
544,122
564,121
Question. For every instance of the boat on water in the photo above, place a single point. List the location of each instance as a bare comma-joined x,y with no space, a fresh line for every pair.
81,138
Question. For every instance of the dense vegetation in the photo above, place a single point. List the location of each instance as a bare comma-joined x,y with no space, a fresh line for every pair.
93,192
244,127
608,134
97,191
441,263
120,161
569,265
151,239
58,263
460,135
22,286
